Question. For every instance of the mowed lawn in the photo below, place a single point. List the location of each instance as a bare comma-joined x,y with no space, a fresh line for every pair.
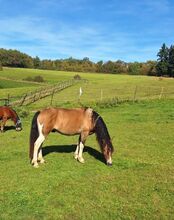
139,185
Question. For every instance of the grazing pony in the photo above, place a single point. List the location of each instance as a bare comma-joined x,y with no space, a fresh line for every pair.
79,121
8,113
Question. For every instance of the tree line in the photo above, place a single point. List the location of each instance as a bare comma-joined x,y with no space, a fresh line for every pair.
163,66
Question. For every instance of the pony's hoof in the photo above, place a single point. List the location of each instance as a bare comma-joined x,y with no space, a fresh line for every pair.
109,164
81,160
36,165
42,161
75,156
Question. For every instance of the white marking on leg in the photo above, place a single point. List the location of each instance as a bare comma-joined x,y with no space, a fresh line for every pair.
40,157
37,145
76,152
80,157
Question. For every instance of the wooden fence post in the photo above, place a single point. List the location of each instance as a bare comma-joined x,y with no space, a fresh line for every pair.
52,97
23,100
101,95
161,93
135,93
41,93
8,101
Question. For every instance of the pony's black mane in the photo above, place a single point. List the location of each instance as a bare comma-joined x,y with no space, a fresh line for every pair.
101,131
17,117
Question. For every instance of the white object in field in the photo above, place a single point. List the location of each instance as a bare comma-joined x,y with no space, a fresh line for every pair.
80,91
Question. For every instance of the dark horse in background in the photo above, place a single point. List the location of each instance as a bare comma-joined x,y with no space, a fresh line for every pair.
80,121
8,113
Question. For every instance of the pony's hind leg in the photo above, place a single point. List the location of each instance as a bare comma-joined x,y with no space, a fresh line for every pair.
37,145
40,156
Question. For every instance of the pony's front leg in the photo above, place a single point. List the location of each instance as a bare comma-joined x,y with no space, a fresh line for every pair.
37,145
82,140
80,157
76,153
3,124
2,128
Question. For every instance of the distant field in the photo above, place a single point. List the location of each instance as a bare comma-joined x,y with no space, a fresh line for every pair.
12,84
139,185
48,75
99,86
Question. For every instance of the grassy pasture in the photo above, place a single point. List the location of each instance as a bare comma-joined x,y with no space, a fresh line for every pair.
48,75
99,86
4,83
139,185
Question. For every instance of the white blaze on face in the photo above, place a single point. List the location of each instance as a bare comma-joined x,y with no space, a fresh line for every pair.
109,160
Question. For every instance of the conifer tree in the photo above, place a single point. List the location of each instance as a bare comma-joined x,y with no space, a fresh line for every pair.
171,61
162,61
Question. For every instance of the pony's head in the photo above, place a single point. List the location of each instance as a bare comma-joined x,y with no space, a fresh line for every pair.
16,119
18,125
103,137
107,152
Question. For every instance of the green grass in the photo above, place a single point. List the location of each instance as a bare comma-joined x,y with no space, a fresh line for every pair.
139,185
13,84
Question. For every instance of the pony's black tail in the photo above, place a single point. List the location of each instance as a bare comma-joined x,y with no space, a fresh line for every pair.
34,134
101,132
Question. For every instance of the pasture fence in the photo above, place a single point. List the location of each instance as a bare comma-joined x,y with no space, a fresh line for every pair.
96,95
36,95
116,95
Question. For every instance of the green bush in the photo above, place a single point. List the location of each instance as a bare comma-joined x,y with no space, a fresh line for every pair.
77,77
35,79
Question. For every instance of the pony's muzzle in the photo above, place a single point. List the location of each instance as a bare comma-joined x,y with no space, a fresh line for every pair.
18,129
109,161
109,164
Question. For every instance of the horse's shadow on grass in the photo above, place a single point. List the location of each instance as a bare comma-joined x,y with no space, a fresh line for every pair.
71,148
8,128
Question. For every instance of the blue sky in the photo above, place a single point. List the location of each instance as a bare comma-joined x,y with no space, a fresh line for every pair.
101,30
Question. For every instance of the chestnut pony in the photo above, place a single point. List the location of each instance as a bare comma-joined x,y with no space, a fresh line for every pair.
79,121
8,113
